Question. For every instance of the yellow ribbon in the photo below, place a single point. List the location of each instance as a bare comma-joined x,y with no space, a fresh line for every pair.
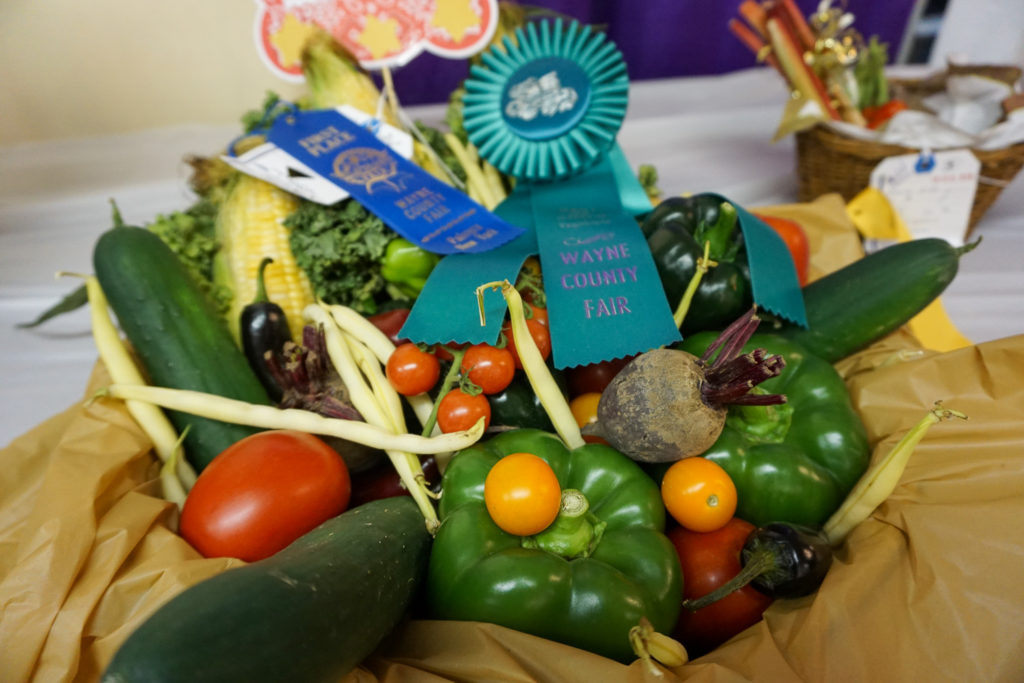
876,218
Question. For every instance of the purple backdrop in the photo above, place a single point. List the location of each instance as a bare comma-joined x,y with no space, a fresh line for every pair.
658,38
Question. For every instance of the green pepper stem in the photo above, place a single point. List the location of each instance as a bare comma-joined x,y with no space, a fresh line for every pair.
720,234
574,533
759,562
261,284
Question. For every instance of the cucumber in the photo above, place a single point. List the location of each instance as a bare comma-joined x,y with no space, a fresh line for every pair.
864,301
180,339
312,612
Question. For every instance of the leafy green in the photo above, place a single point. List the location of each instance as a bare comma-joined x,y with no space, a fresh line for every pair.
453,114
872,85
190,235
340,248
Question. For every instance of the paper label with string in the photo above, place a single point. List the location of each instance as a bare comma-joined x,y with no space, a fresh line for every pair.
932,192
418,206
270,163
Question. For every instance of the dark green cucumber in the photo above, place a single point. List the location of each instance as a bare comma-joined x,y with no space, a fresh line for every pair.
180,339
312,612
864,301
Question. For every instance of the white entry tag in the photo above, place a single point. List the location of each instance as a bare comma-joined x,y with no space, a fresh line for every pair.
932,192
272,164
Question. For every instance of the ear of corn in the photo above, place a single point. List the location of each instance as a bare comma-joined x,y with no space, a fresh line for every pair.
250,226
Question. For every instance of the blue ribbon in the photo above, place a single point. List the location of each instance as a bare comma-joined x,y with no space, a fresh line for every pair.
418,206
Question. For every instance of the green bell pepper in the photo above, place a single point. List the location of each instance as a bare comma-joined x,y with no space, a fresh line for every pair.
407,266
793,462
586,593
676,231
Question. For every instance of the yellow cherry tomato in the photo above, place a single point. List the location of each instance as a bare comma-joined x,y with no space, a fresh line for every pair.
584,408
522,494
699,494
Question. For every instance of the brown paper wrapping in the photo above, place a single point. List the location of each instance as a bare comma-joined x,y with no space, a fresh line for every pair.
931,587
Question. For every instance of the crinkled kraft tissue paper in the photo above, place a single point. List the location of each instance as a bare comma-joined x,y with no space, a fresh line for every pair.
929,588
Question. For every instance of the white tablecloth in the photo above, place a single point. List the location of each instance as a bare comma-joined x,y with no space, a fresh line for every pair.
711,133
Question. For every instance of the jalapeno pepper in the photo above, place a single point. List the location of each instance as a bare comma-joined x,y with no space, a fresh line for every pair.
676,231
590,597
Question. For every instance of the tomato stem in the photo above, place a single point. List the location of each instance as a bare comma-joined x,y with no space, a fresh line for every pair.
449,380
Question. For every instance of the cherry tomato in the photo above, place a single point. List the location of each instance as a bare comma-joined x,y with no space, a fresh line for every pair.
390,323
539,314
708,560
699,494
584,409
595,377
263,492
522,494
538,331
459,410
796,241
489,367
411,370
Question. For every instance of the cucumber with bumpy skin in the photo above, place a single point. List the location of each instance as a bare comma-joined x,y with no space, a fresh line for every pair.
312,612
180,339
864,301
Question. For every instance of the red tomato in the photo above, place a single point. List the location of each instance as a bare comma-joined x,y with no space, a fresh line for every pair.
262,493
539,332
796,241
459,410
594,378
390,323
489,367
709,559
412,370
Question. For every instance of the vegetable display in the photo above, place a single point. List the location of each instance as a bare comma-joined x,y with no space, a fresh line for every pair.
793,462
590,592
350,469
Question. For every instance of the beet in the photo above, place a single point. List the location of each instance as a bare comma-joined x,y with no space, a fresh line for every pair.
667,404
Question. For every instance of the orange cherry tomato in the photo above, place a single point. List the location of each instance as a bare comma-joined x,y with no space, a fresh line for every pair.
699,494
411,370
522,494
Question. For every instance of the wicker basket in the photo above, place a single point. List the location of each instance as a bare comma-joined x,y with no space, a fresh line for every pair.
829,161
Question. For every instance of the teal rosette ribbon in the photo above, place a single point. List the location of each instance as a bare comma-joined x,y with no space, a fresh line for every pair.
546,109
